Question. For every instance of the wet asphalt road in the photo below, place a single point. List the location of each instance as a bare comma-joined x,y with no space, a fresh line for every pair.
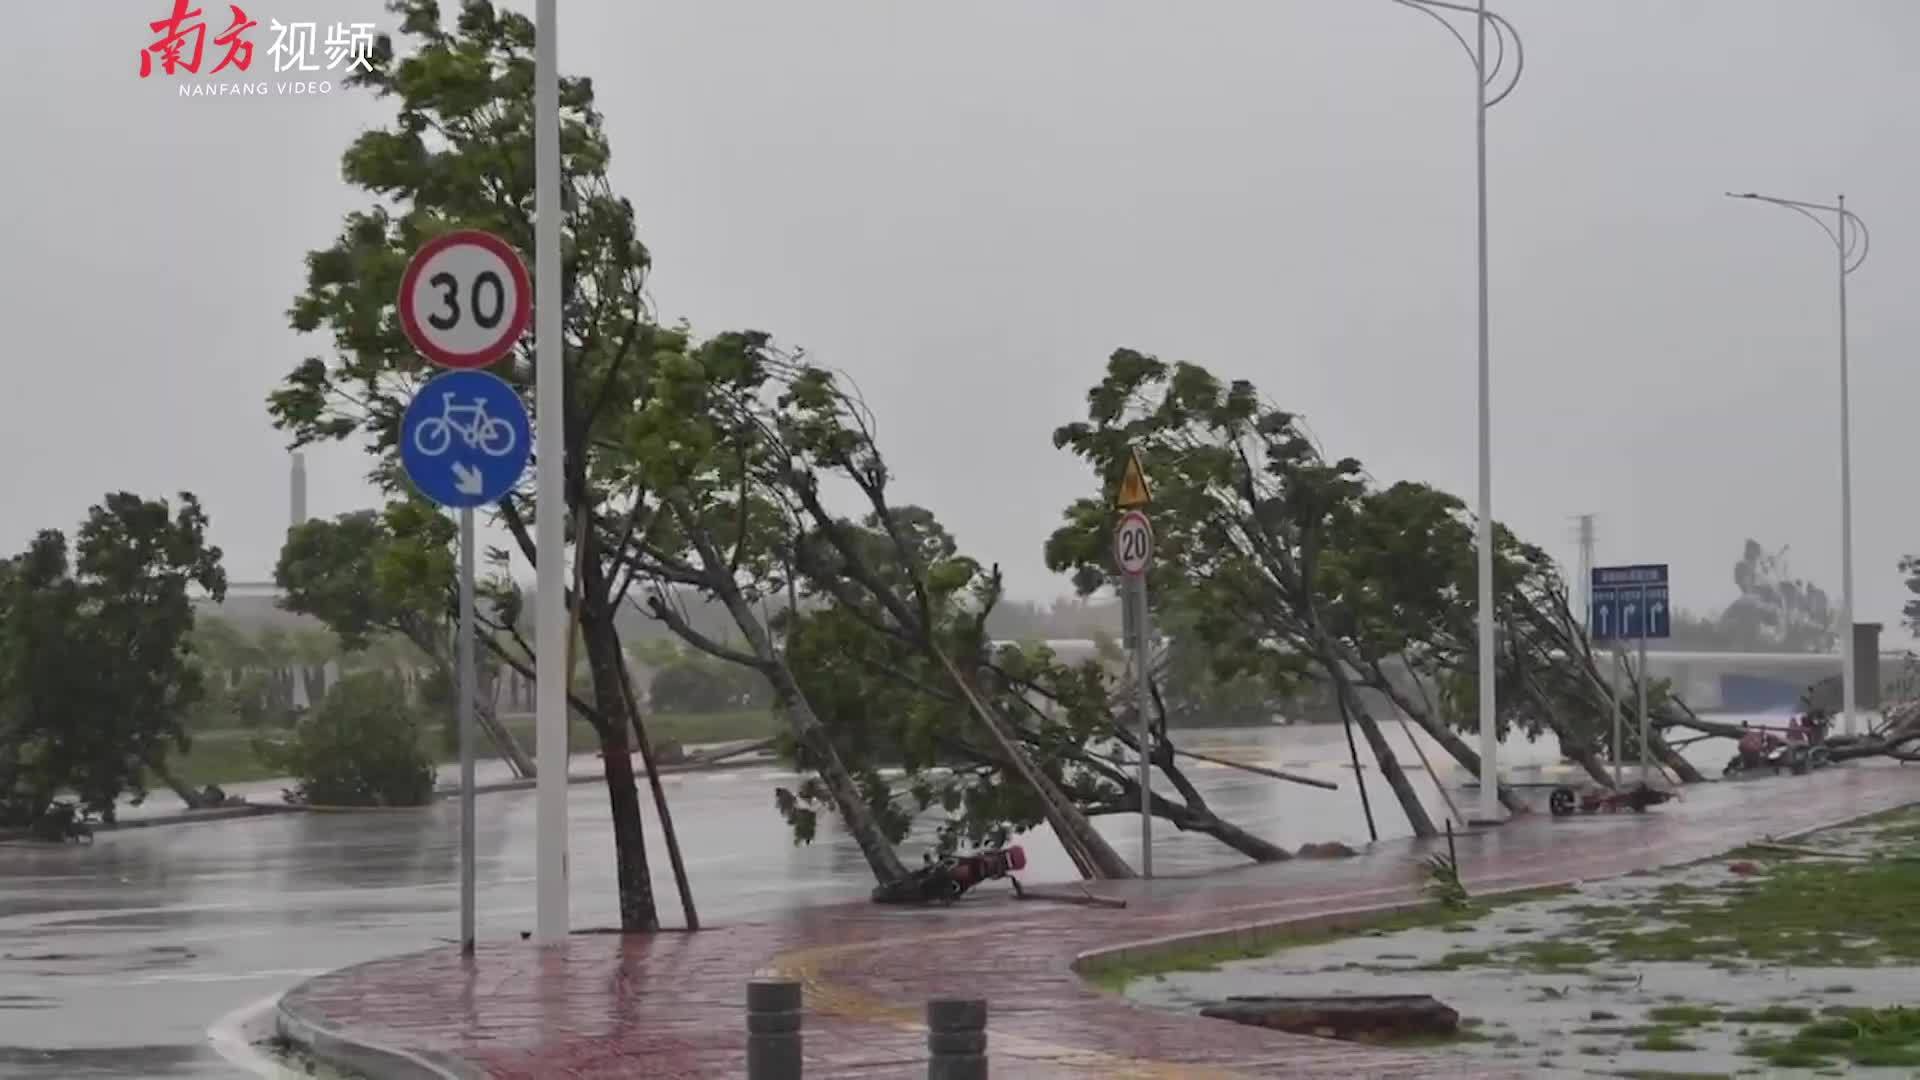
116,957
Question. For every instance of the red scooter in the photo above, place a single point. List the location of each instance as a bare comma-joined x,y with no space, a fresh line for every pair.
947,879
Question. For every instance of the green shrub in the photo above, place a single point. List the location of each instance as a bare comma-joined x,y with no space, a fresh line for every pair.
362,747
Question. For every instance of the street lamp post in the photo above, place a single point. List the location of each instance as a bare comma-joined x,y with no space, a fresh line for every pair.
1492,84
1850,243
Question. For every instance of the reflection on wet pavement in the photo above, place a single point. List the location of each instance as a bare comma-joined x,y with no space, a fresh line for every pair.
121,953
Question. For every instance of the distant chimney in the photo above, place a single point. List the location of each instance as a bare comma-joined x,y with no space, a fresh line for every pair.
299,492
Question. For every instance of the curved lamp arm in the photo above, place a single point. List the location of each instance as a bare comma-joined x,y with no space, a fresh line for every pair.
1851,239
1855,255
1504,37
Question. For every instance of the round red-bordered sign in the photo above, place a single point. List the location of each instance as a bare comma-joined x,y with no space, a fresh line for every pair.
1133,543
465,299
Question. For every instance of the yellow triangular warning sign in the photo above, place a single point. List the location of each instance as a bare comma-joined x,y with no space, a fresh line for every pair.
1133,485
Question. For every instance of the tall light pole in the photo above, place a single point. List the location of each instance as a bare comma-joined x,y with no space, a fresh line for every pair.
1492,84
1850,243
550,507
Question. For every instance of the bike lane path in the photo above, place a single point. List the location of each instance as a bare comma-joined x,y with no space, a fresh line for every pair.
672,1005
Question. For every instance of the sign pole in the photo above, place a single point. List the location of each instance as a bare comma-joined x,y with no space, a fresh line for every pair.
1642,681
1614,696
550,507
1143,693
1132,554
464,662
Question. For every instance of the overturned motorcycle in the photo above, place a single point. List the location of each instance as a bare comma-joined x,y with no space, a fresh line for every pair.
1762,751
1566,801
946,879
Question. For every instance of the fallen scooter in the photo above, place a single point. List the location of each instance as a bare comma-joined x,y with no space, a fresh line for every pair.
947,879
1566,801
1763,751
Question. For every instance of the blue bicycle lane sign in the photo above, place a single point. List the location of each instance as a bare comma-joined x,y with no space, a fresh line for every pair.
465,439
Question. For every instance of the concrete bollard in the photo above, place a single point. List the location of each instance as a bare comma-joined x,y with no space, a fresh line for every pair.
773,1029
957,1039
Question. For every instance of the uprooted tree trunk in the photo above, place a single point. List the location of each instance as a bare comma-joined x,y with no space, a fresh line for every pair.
913,625
811,736
1191,814
192,799
1374,677
1899,742
1396,776
487,718
1549,640
1090,851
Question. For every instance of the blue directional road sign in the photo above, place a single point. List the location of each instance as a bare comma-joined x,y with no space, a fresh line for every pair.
1628,602
465,439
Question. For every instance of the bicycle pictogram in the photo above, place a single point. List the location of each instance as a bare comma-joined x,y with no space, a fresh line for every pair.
488,434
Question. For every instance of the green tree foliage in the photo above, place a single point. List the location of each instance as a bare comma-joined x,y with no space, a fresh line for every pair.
373,577
1296,569
889,641
370,572
96,673
901,721
360,747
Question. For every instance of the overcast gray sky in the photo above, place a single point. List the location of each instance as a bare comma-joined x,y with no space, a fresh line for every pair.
968,206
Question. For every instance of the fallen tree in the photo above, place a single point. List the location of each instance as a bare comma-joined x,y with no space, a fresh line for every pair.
1295,567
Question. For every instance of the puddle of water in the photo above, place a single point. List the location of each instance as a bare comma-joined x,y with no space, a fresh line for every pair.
1567,1006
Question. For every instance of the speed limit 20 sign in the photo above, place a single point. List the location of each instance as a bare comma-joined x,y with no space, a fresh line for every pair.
465,299
1133,543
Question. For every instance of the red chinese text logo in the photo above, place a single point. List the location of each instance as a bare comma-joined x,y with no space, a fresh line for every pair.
183,41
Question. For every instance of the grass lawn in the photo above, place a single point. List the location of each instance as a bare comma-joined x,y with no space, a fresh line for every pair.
227,757
219,757
687,729
1713,966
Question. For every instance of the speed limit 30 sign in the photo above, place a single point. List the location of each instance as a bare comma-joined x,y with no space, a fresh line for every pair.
1133,543
465,299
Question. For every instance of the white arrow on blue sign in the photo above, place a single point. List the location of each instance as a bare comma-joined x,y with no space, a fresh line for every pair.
465,439
1659,622
1606,620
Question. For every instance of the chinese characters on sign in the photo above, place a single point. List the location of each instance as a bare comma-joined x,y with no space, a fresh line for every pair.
182,44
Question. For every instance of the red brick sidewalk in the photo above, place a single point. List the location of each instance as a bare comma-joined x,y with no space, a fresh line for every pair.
672,1005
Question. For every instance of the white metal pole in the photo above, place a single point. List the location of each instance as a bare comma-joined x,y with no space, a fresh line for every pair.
463,652
1846,498
1489,735
1640,679
1143,695
550,512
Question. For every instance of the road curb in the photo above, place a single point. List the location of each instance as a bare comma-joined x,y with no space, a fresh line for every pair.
358,1054
1801,834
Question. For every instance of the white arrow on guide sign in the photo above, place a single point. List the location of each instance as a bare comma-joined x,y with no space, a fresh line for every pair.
468,480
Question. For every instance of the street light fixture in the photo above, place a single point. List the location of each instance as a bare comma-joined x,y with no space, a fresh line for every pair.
1492,84
1850,242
